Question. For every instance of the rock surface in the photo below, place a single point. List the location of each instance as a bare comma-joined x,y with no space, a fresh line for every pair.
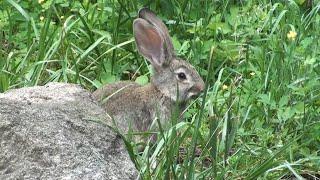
56,132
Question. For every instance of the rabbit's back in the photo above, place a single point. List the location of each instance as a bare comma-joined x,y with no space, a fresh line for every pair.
109,90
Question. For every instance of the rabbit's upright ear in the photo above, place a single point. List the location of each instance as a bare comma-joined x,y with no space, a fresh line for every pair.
150,43
152,18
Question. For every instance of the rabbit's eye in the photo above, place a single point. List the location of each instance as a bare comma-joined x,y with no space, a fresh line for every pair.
182,76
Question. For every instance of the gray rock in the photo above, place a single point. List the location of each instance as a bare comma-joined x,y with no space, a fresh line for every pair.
58,131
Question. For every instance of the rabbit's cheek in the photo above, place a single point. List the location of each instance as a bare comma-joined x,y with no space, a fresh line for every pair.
182,89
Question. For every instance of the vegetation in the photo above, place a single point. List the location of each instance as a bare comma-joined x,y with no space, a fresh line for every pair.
259,117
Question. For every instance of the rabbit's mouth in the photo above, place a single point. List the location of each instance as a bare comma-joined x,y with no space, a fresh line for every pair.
195,91
193,95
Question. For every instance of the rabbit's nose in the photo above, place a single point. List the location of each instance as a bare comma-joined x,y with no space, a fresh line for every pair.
199,86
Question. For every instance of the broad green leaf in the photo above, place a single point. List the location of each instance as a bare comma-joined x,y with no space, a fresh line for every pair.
142,80
283,100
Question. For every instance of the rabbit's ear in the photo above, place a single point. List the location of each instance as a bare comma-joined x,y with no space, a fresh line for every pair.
149,41
152,18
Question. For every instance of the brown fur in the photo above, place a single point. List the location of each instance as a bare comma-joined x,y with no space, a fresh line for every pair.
134,103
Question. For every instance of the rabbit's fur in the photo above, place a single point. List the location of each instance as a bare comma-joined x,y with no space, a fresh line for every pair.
174,80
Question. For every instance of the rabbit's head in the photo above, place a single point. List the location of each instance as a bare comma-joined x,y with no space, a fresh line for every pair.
174,77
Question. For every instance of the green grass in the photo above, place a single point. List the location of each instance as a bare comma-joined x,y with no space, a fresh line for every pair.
260,115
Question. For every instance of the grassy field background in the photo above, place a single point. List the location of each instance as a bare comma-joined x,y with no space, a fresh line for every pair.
260,115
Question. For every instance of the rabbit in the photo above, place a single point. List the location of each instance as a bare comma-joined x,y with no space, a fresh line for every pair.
174,80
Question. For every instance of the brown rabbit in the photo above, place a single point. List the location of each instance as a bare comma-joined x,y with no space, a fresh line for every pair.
174,80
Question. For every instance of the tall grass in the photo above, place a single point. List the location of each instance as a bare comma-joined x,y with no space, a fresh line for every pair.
259,117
